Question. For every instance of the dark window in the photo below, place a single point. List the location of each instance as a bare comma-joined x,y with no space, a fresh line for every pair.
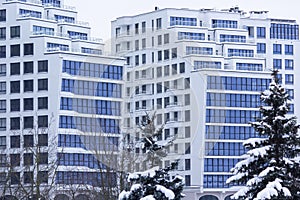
182,67
14,105
2,33
15,32
187,180
2,51
15,69
2,142
28,177
187,148
2,69
261,32
187,164
28,123
14,50
15,87
14,141
15,178
28,159
43,140
14,160
28,67
42,84
43,121
2,15
28,86
28,104
43,66
43,103
42,158
28,49
15,123
42,177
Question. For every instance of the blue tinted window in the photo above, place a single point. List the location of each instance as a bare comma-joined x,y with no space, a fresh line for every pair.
190,36
276,48
284,31
183,21
289,49
261,47
216,23
232,38
277,63
261,32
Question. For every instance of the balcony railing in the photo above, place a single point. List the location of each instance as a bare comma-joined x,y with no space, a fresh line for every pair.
56,5
57,34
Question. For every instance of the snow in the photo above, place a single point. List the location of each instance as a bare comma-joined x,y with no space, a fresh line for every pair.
136,175
168,193
266,171
135,187
149,197
272,190
254,141
124,195
262,151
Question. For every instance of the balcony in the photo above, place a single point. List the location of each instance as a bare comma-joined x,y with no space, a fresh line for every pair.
57,34
47,5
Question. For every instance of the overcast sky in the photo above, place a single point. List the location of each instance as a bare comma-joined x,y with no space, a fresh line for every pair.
99,13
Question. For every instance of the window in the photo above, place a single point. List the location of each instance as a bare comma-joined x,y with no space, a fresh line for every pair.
2,124
137,60
15,87
217,23
136,45
42,140
289,49
166,54
2,106
144,43
261,32
15,123
43,158
187,148
14,105
187,164
289,79
2,69
158,23
14,68
187,100
261,47
143,58
28,104
2,87
159,56
187,115
42,176
14,141
28,139
174,53
15,178
159,72
166,70
187,132
28,177
2,142
183,21
43,66
284,31
43,121
28,85
174,69
14,50
15,32
43,103
166,38
2,51
42,84
28,159
2,33
289,64
187,180
14,160
143,27
136,27
28,123
28,67
28,49
290,93
277,64
182,67
159,40
2,15
276,48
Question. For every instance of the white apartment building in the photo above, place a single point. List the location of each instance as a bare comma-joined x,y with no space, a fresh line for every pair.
60,96
202,71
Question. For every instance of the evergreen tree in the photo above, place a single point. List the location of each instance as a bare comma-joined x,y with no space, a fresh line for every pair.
269,169
153,183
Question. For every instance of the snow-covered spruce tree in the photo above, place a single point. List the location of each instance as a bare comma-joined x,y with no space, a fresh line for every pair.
270,167
153,183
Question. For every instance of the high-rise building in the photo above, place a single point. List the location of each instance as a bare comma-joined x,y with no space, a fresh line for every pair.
202,72
60,101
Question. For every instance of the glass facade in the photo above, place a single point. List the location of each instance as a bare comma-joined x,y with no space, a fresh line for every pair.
217,23
240,52
199,50
207,64
284,31
249,66
229,132
190,36
30,13
183,21
232,38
